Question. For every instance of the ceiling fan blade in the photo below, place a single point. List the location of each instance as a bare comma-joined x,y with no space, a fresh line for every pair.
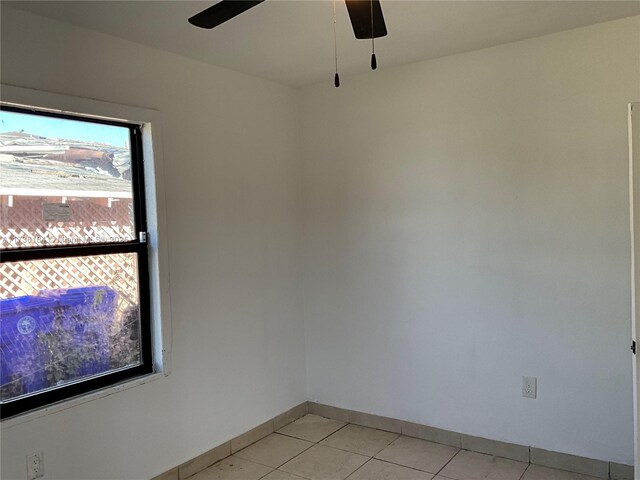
221,12
360,14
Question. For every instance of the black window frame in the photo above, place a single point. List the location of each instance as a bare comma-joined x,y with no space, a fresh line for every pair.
138,246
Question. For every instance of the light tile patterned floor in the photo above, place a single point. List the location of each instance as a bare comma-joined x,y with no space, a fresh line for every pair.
316,448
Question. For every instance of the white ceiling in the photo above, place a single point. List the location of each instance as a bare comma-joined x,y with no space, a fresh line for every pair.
291,42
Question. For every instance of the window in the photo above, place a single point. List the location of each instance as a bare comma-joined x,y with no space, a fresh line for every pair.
74,271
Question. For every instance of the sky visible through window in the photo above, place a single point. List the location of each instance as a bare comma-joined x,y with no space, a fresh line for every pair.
63,128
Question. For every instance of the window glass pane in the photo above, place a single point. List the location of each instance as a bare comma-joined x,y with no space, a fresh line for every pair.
66,319
63,181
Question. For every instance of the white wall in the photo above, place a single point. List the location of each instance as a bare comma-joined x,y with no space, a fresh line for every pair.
465,224
230,154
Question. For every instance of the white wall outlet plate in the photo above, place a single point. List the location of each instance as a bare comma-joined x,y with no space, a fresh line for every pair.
529,387
35,465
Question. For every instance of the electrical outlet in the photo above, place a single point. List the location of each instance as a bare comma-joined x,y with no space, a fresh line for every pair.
529,387
35,465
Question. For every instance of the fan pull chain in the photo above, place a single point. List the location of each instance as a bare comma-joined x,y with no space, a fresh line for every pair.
336,77
374,62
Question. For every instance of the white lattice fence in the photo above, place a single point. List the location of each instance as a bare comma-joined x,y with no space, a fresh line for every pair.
94,219
119,272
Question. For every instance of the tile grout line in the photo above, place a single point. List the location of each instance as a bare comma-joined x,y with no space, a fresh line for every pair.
357,469
347,451
336,431
358,453
525,471
296,456
448,462
528,465
268,473
306,440
269,466
413,468
369,457
406,466
277,469
290,436
306,449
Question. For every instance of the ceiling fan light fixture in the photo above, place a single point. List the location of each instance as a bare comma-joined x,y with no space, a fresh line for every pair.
365,15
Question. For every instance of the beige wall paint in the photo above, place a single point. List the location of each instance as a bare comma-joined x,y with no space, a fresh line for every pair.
230,159
466,223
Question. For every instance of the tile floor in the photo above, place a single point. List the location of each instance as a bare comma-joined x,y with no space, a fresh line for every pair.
317,448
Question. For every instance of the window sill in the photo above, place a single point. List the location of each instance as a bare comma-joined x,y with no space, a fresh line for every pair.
72,402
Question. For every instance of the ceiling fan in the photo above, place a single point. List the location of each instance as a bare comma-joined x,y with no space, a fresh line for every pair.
366,19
